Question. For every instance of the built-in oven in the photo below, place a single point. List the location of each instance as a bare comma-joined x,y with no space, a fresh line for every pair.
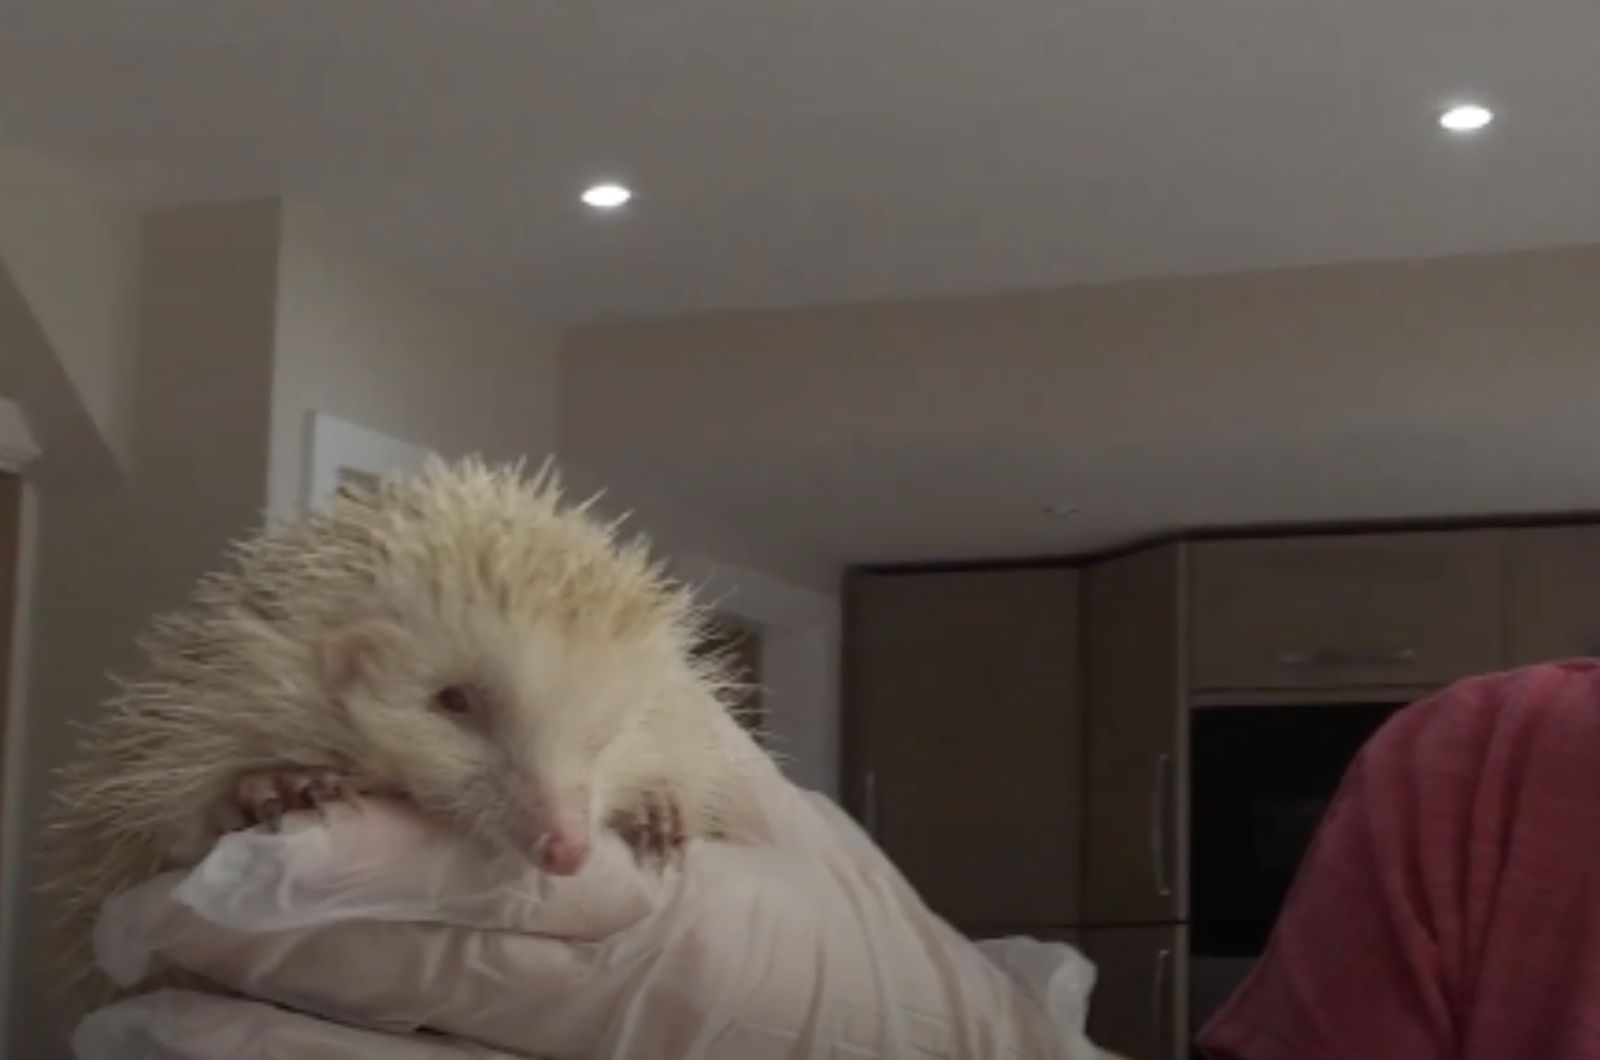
1262,778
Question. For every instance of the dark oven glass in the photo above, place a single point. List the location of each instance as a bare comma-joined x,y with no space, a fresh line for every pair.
1263,777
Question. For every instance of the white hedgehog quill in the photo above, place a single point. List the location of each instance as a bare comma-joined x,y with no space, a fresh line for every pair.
462,638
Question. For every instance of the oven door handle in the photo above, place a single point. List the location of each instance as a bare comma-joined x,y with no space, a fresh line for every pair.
1336,657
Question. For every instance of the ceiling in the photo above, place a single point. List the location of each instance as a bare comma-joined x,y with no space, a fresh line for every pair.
793,151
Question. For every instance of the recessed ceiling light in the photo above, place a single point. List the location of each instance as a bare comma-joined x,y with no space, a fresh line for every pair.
1469,117
1062,510
607,196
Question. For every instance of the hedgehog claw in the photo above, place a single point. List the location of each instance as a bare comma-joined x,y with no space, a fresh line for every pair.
655,831
264,798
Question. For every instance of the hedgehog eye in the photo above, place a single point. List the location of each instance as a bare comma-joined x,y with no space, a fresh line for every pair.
460,700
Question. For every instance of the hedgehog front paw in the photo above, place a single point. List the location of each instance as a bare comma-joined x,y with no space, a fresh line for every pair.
263,798
655,830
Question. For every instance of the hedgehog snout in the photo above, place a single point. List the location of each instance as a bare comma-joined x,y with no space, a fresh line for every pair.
553,834
563,850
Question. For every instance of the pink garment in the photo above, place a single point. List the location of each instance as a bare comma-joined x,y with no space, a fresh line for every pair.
1449,907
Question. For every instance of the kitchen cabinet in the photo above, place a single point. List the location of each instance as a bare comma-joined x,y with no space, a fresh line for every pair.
1411,609
966,731
1553,590
1136,741
1140,1005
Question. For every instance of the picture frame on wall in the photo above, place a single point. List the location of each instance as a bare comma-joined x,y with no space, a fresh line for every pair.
354,481
343,456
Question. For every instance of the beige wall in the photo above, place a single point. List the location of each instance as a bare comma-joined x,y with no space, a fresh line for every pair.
74,251
204,391
112,549
370,344
940,429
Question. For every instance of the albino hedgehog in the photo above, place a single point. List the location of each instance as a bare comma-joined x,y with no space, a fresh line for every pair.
462,638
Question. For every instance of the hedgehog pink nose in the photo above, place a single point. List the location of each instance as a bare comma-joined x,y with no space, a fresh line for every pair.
561,853
558,843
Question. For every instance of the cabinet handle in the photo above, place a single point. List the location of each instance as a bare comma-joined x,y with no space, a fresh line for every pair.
1161,823
870,803
1334,657
1159,1016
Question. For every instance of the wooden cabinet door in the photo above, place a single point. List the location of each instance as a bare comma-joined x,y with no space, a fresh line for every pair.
964,710
1139,1008
1135,740
1553,580
1345,611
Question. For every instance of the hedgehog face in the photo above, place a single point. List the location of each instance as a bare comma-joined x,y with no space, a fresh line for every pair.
505,732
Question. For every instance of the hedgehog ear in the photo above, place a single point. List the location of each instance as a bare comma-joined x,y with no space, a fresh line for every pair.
350,652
